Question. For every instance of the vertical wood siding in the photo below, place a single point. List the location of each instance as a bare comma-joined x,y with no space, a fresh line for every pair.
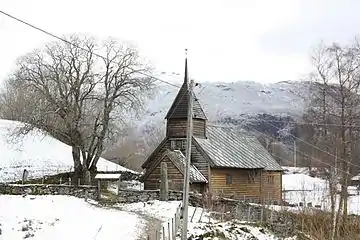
272,186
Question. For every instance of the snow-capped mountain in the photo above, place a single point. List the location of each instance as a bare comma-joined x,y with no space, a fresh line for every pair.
235,101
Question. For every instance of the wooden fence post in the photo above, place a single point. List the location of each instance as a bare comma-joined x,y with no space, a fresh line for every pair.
163,233
202,212
90,179
169,233
193,214
164,185
118,186
173,228
249,213
99,190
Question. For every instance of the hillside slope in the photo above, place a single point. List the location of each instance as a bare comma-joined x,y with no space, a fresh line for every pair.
40,155
236,100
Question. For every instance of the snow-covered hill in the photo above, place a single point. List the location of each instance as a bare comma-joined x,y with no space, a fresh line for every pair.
40,155
236,100
299,187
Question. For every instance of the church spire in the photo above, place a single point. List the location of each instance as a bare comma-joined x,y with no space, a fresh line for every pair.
186,81
178,109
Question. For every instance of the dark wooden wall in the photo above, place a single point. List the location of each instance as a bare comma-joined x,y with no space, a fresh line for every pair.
175,177
196,158
177,128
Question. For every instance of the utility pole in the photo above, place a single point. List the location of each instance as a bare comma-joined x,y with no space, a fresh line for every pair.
294,153
188,161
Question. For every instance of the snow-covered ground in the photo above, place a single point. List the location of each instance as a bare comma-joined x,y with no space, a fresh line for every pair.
40,155
199,221
299,187
64,217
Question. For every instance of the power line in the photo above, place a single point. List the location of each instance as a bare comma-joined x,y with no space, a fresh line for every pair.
314,146
302,123
79,47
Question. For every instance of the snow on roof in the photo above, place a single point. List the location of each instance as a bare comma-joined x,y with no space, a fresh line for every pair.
107,176
40,155
356,178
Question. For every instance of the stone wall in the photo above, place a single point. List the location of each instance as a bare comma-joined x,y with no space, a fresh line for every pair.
43,189
131,196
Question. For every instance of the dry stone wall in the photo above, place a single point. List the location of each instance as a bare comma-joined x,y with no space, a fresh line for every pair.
51,189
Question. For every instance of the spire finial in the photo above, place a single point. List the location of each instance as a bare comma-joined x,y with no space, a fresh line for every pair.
186,69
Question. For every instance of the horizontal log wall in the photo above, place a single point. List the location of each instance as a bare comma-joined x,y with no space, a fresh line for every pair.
175,177
272,186
240,188
177,128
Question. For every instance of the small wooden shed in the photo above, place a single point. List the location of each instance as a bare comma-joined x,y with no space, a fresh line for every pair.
105,178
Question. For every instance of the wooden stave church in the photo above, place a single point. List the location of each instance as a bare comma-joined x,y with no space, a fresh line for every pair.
222,161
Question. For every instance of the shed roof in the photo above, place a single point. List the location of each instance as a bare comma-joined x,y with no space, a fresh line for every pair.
227,148
108,176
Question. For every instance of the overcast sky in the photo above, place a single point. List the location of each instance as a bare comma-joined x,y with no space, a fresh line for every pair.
264,41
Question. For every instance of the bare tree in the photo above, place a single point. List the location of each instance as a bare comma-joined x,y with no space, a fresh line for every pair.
79,94
134,147
334,110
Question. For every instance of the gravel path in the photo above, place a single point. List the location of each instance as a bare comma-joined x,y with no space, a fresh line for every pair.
151,227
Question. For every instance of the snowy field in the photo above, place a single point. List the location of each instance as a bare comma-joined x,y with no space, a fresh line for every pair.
40,155
299,187
199,221
64,217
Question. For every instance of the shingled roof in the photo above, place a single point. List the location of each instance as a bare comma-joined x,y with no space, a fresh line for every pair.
179,107
227,148
178,159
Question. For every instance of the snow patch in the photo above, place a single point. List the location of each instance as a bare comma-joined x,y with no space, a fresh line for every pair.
64,217
39,155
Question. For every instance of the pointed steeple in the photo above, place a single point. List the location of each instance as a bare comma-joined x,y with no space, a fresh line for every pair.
186,81
179,107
